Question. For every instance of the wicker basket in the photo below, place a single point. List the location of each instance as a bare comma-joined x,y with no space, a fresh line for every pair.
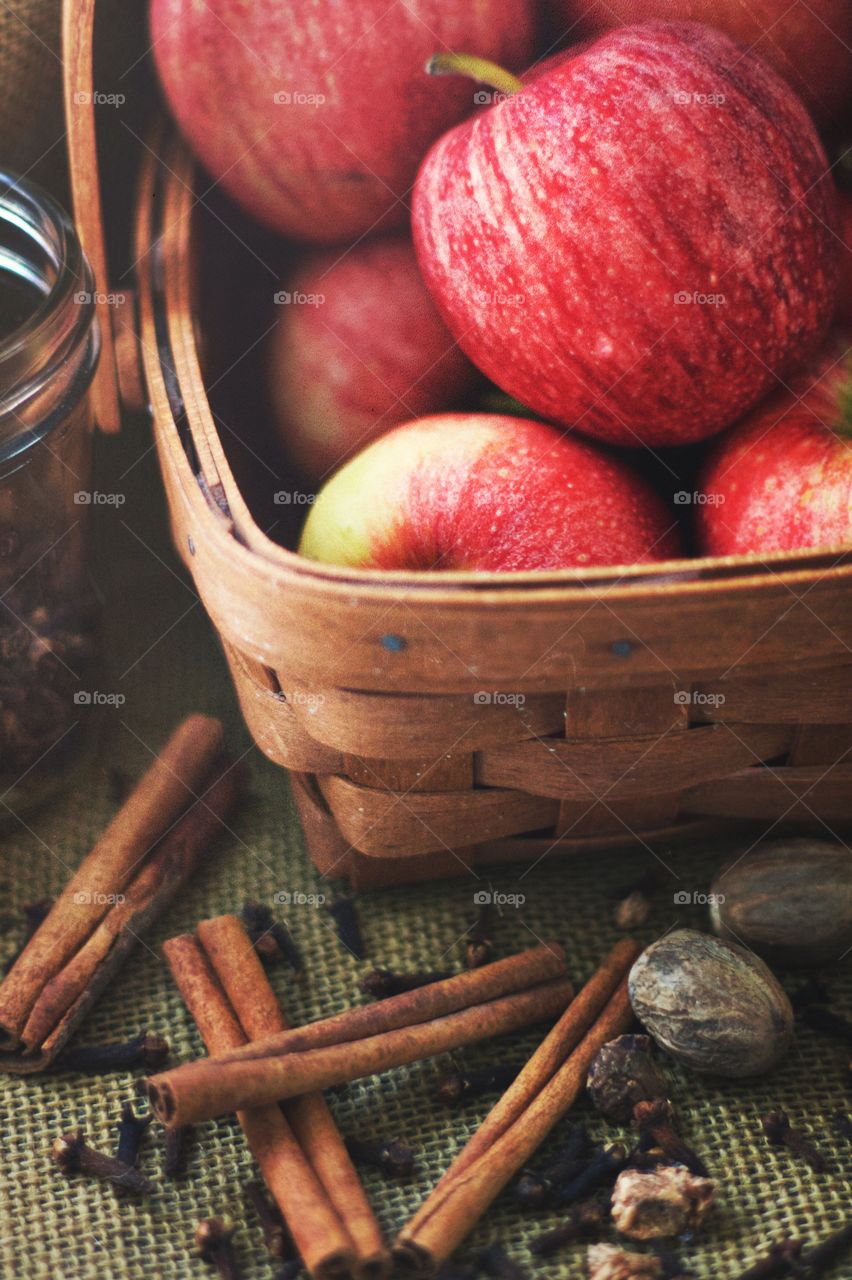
434,721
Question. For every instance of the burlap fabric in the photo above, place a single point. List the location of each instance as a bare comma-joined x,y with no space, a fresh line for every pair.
164,659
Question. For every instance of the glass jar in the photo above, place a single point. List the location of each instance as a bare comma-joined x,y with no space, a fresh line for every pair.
49,347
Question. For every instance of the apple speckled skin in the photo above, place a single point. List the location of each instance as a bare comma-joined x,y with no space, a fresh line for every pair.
781,480
809,42
482,491
638,242
314,116
372,352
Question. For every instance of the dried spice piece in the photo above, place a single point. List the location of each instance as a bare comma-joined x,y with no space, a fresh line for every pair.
601,1171
536,1186
382,983
585,1219
131,1130
272,940
711,1004
609,1262
344,912
661,1203
789,900
392,1157
147,1050
72,1155
656,1123
479,944
779,1131
623,1073
457,1086
633,911
213,1244
178,1142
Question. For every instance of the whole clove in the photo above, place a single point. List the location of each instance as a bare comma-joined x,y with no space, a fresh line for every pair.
601,1171
779,1261
147,1050
381,983
131,1130
344,912
213,1244
779,1131
655,1121
271,938
178,1142
275,1234
72,1155
457,1086
495,1261
479,944
535,1187
585,1219
392,1157
34,913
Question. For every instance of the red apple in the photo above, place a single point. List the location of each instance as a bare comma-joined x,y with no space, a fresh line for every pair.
482,491
809,42
782,479
638,242
358,348
844,306
315,116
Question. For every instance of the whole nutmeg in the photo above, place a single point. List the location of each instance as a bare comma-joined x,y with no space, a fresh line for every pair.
711,1004
791,900
623,1072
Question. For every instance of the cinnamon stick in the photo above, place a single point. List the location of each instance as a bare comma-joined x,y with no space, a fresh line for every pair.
166,872
174,780
519,972
243,978
318,1234
205,1089
467,1190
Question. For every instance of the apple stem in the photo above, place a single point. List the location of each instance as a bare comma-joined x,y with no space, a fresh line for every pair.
480,69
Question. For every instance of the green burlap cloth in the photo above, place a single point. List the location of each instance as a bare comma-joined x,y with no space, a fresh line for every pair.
164,659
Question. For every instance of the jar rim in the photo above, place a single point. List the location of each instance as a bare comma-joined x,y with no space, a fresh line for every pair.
34,351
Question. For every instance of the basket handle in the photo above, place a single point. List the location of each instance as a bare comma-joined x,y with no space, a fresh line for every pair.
116,380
